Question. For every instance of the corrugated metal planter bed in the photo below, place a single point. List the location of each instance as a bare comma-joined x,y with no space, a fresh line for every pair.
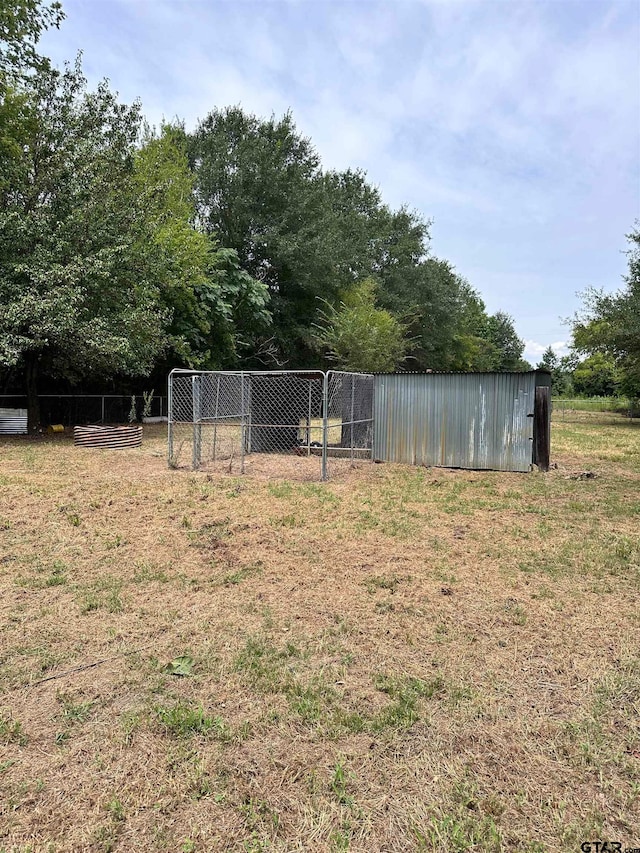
13,421
112,437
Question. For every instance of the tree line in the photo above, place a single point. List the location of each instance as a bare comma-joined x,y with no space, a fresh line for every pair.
126,250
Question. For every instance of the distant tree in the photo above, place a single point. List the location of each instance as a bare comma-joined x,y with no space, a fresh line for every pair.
549,360
79,273
429,293
596,376
561,383
610,323
473,345
361,337
500,331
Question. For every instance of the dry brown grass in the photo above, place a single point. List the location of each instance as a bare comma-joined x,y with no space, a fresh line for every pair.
401,659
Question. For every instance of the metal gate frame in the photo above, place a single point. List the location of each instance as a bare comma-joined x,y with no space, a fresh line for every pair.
187,406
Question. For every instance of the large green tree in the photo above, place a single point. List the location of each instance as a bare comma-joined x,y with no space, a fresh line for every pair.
501,333
79,274
596,376
258,190
217,309
610,323
311,235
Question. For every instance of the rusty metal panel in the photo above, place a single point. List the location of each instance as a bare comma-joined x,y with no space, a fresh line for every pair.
455,420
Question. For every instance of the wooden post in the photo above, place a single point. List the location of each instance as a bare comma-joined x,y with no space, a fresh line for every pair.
542,428
33,400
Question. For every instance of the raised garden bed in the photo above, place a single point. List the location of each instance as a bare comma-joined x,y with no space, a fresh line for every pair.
112,437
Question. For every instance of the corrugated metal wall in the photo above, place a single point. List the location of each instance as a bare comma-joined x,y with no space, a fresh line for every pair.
455,420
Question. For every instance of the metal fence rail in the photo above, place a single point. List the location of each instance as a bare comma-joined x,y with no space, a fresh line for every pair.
229,419
605,410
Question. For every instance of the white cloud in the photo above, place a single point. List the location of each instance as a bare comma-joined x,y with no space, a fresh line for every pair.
533,351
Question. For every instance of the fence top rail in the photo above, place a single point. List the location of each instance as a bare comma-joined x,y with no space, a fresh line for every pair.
292,372
82,396
187,372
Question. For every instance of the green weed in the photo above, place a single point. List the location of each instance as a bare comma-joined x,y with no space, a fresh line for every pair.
130,722
148,572
184,720
11,731
404,692
73,712
389,583
104,594
287,521
280,490
57,576
234,578
465,822
116,809
339,784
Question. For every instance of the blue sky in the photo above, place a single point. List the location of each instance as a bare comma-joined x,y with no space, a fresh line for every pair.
514,126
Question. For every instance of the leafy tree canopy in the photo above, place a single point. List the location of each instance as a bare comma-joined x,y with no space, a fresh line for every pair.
359,336
596,376
22,22
561,372
610,323
78,275
216,307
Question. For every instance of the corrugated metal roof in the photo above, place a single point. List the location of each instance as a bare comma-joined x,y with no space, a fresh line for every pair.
455,420
464,372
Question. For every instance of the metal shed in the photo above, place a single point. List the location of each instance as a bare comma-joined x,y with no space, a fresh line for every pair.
462,420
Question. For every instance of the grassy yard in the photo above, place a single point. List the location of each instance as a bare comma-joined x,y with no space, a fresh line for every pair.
400,659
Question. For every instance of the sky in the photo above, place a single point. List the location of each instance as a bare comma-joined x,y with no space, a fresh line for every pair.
514,127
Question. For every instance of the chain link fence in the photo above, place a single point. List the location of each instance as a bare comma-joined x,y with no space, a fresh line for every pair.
73,409
596,410
299,424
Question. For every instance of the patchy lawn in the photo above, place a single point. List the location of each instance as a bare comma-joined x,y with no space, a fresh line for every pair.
399,659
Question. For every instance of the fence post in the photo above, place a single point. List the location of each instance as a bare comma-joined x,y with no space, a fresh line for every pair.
196,403
242,424
325,412
170,459
373,418
309,423
353,391
249,407
215,420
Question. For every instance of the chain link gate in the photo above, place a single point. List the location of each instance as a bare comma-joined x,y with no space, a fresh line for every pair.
282,423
